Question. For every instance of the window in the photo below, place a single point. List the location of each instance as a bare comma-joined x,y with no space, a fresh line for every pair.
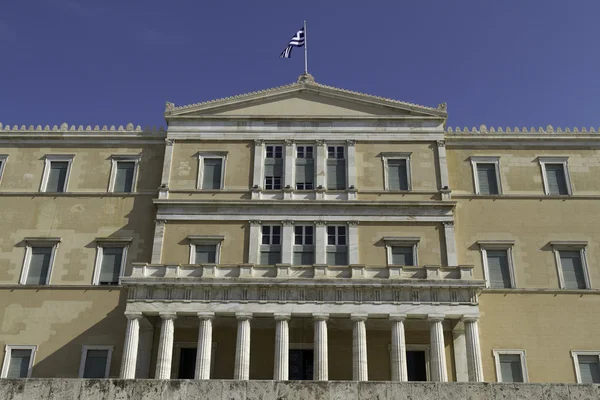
273,167
111,255
18,361
55,178
211,170
305,168
401,250
396,167
38,261
205,249
123,174
336,167
270,249
95,362
337,245
571,262
304,249
3,158
497,259
510,366
555,174
587,366
486,175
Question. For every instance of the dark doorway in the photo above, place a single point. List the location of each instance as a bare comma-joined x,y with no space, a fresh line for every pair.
187,363
301,365
416,365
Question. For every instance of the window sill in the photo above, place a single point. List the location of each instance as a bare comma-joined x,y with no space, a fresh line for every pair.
541,291
13,286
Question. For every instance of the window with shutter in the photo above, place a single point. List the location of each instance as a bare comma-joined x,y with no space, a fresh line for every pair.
18,366
572,269
498,269
304,253
589,368
39,265
211,173
397,174
336,168
402,255
337,248
124,177
95,364
305,172
487,178
510,368
110,269
273,167
556,179
57,176
270,248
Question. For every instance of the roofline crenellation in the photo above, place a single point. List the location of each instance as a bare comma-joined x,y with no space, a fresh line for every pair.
548,130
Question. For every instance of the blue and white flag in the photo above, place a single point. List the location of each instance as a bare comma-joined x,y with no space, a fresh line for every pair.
296,41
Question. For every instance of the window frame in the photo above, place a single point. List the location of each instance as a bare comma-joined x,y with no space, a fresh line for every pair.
282,182
401,241
580,246
575,356
305,161
337,245
270,247
205,240
523,357
385,158
486,160
346,167
555,160
507,245
48,160
101,243
211,154
3,161
30,243
304,248
115,159
8,348
84,351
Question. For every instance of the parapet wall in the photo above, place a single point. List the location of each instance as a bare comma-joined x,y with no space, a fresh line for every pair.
113,389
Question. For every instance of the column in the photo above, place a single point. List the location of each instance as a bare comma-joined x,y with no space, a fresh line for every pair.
353,242
164,358
360,371
473,348
142,369
320,165
130,348
166,172
438,348
351,163
288,171
320,242
287,242
282,347
451,258
157,244
242,348
399,370
460,354
254,242
321,360
204,353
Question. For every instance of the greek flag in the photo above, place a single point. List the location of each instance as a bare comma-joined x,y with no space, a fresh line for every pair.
296,41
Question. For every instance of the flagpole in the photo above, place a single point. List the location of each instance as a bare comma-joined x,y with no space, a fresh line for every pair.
305,51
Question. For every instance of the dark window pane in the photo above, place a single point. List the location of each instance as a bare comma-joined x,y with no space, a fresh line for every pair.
95,364
57,176
124,177
211,174
510,367
402,255
19,364
486,175
557,183
572,269
39,265
498,269
112,258
206,254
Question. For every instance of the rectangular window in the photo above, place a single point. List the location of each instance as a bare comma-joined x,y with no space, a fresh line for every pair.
572,269
206,254
336,168
270,249
18,361
555,174
273,167
305,168
3,159
587,366
205,249
486,175
55,178
401,250
211,173
402,255
40,262
510,366
498,269
304,249
124,177
112,262
95,362
398,174
337,245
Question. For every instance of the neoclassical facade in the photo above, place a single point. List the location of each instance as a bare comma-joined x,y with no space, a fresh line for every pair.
304,232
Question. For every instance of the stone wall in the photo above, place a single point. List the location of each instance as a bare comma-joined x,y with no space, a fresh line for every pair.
113,389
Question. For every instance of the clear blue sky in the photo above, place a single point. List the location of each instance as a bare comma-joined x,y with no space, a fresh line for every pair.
499,63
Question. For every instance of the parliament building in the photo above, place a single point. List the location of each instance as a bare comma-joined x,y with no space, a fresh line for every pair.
303,232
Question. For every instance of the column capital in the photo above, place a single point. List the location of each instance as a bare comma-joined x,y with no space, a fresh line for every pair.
358,317
282,316
134,315
255,223
436,317
353,223
320,223
397,317
320,316
449,224
243,316
441,143
205,315
320,142
258,142
350,142
169,142
287,222
470,318
168,315
289,142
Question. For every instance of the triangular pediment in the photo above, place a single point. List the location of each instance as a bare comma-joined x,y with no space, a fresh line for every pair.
304,100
